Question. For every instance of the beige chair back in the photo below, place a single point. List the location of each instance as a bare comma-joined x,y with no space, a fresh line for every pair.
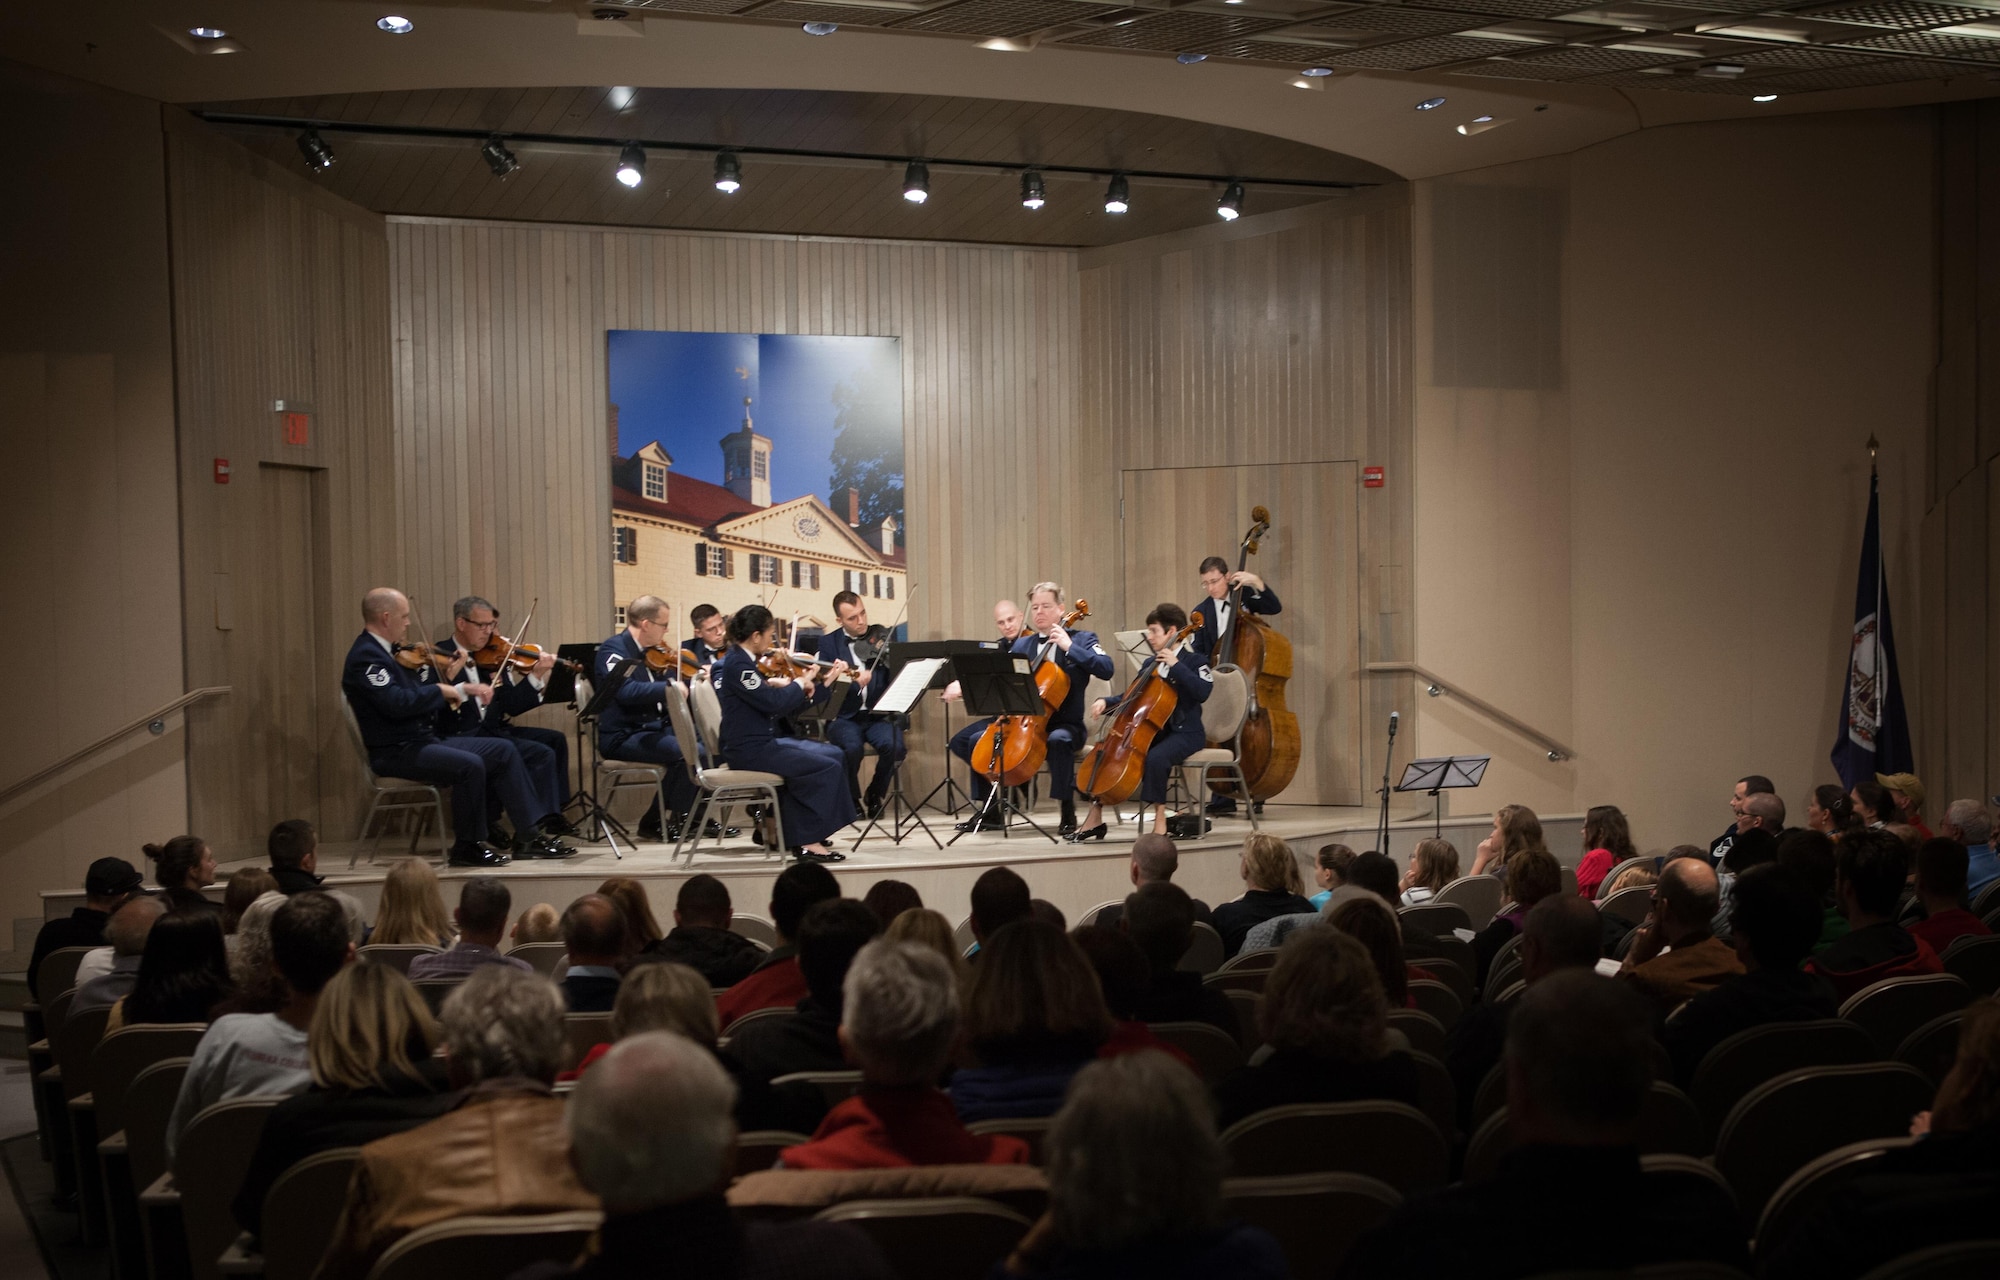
1032,1130
1205,951
835,1086
73,1043
585,1032
301,1210
1749,1058
1089,917
758,1149
1424,1032
1891,1009
434,991
148,1105
1975,959
542,955
1668,1125
121,1056
755,928
488,1246
210,1160
1435,917
397,955
1479,895
1437,1093
1215,1052
1228,702
707,710
1438,1000
947,1238
1315,1217
57,975
755,1016
1809,1189
1633,904
1388,1140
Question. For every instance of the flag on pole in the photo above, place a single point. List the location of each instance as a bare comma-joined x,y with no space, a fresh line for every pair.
1874,733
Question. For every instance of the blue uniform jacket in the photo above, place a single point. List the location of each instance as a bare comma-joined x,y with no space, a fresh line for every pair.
393,704
751,704
838,646
703,655
1264,602
641,700
509,699
1086,658
1191,679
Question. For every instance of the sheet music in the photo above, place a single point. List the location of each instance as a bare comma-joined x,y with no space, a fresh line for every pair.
909,685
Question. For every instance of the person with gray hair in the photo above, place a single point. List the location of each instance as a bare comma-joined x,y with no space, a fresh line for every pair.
1155,858
502,1151
899,1019
1135,1183
481,915
1762,810
650,1136
126,933
1969,823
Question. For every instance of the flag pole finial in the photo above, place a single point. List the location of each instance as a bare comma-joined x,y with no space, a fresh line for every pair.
1874,446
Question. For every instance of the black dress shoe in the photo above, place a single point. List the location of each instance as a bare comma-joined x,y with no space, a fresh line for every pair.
476,853
557,827
546,848
715,831
802,855
1222,806
1067,828
874,805
1097,832
977,822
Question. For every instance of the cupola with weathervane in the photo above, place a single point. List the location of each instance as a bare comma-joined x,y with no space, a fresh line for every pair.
746,462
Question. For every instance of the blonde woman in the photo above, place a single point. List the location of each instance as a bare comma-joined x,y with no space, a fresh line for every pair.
413,910
1433,866
658,995
1515,830
929,928
1272,888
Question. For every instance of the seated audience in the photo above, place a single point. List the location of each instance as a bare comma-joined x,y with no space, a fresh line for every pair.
899,1018
1329,871
1048,913
1370,922
1906,798
1871,803
126,933
1869,870
412,910
1561,932
776,982
183,867
255,979
1968,822
929,928
830,936
294,849
244,887
999,898
1777,922
1122,974
593,929
1808,856
539,923
1674,957
1530,875
183,974
1033,1018
1941,872
701,938
1516,829
1433,865
1830,812
106,886
369,1050
649,1137
891,898
1579,1070
501,1150
1159,919
1155,858
1752,847
484,904
1327,1024
1135,1185
1761,811
248,1054
1607,841
1642,872
660,996
642,929
1941,1189
1271,888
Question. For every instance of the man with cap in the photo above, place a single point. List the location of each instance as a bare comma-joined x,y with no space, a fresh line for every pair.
106,886
1907,790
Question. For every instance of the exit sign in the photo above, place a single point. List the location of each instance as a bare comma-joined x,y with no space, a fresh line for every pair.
298,428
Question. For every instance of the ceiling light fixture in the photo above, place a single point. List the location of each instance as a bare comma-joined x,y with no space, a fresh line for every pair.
1430,104
498,158
820,28
1316,72
1764,97
1189,59
1481,119
1230,208
917,182
1032,195
396,25
728,174
208,33
632,164
1118,195
319,156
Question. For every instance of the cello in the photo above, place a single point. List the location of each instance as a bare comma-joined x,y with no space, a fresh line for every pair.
1022,742
1270,741
1110,769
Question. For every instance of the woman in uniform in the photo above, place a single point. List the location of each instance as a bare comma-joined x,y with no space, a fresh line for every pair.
1188,672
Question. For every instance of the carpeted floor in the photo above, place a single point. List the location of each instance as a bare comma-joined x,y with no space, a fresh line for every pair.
36,1239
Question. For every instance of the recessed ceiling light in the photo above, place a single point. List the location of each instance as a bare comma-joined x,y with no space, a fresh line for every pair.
1189,59
208,33
1481,119
1764,97
1230,207
728,174
1721,69
1032,195
632,164
1232,1
1317,71
1430,104
917,182
820,28
1118,195
396,25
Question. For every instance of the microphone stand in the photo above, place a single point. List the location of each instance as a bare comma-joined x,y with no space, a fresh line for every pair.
1382,826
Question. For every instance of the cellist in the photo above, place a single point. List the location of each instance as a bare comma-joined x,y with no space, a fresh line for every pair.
1188,671
1214,613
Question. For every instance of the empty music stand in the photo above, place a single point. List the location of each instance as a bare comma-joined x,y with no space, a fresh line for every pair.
1442,773
999,684
604,690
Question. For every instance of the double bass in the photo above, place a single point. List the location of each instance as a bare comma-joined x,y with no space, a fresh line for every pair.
1022,742
1270,736
1110,769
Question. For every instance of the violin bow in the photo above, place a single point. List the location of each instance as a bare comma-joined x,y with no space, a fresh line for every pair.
520,636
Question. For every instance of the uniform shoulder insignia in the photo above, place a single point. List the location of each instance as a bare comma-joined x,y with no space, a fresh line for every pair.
611,662
750,678
378,676
1206,674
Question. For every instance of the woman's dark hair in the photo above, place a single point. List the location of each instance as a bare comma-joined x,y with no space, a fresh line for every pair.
184,971
1808,857
1372,923
1604,827
1875,798
1168,616
891,898
748,621
1034,999
1838,805
176,858
245,887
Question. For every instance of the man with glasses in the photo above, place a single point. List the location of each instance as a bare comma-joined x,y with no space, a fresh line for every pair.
633,727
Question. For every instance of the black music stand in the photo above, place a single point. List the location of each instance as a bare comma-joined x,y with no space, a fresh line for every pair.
1442,773
902,653
999,684
901,813
604,690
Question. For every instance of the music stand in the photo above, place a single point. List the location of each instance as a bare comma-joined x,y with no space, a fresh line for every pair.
997,684
562,681
604,690
1442,773
903,653
908,671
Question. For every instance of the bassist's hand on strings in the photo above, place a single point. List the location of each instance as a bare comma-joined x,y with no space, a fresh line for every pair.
1244,578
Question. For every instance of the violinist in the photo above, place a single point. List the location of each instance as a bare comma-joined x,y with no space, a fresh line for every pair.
854,729
710,638
396,707
1214,615
1192,680
814,802
633,727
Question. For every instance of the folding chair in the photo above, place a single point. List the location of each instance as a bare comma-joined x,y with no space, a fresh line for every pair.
542,955
1812,1185
1204,954
1891,1009
1479,896
393,795
1315,1217
397,955
1388,1140
1215,1052
1747,1059
487,1246
719,785
940,1238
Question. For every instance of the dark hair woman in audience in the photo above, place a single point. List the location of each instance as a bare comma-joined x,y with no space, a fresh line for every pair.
1808,856
1831,811
891,898
373,1074
244,888
1872,805
183,973
183,866
1531,875
1033,1016
642,928
1372,923
1123,976
1607,841
814,802
1327,1022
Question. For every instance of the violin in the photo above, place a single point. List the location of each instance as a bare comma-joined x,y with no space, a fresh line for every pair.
1270,741
412,656
521,657
1015,747
779,664
1110,769
662,659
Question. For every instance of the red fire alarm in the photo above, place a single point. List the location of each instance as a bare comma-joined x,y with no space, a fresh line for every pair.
1371,478
222,471
298,428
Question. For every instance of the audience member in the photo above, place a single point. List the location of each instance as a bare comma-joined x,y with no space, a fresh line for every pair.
1941,876
1516,829
830,936
127,932
258,987
659,996
1326,1021
1755,784
183,867
1906,798
1159,918
593,930
1033,1017
1830,812
1122,978
1674,955
899,1018
412,908
642,928
999,898
247,1054
701,938
1271,888
1155,858
1433,865
106,886
539,923
1753,847
1763,811
1808,856
1561,932
1530,876
481,916
1579,1070
891,898
1135,1185
1329,871
244,887
373,1074
1777,922
1870,868
776,982
1048,913
1871,803
1607,841
1968,822
294,849
649,1137
1641,872
1373,924
501,1151
183,975
931,929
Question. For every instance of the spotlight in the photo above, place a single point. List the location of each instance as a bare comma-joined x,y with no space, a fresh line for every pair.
319,156
1764,97
1117,196
1231,206
632,164
1430,104
1032,196
820,28
396,25
494,152
1189,59
208,33
728,174
917,182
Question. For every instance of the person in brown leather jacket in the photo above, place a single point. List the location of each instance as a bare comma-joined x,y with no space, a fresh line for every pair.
503,1150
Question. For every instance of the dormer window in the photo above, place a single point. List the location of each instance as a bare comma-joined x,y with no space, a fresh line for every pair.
655,482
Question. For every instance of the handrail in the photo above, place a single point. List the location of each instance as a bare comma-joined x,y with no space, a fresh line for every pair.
151,718
1440,686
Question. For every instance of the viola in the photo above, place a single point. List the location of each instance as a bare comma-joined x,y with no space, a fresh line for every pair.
661,659
521,657
1270,742
783,665
1014,747
412,656
1111,768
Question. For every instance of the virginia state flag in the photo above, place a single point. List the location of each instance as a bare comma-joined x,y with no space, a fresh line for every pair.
1874,733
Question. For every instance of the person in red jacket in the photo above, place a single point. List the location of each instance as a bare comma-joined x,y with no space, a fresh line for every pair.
1941,872
777,983
1869,871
